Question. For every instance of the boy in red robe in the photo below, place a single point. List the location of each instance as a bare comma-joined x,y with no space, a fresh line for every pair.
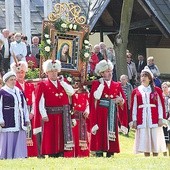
80,104
107,105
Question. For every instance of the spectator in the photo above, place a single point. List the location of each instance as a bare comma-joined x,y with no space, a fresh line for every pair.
97,52
154,69
93,61
5,50
140,64
127,89
166,96
24,39
18,49
132,73
35,49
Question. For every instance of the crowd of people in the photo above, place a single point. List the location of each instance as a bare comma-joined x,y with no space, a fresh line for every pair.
16,44
58,119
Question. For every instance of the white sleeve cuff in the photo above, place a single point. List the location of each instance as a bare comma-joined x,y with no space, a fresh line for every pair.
68,88
98,92
42,109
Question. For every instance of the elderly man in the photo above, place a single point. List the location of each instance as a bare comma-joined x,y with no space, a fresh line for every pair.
18,48
106,98
4,50
35,51
27,88
52,107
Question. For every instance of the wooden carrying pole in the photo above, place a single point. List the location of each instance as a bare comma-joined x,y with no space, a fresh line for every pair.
15,58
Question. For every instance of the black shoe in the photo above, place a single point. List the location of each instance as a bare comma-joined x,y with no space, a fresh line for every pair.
60,154
99,154
52,155
41,156
109,154
56,155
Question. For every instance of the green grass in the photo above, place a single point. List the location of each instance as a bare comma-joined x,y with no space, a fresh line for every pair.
122,161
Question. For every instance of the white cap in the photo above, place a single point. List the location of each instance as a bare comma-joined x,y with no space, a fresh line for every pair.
8,75
102,66
21,66
50,65
148,71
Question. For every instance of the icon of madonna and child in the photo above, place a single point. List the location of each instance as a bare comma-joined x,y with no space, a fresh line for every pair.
64,56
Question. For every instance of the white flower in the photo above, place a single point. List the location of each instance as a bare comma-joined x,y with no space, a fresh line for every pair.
75,27
87,47
47,48
64,25
86,55
46,36
86,42
71,26
48,41
69,79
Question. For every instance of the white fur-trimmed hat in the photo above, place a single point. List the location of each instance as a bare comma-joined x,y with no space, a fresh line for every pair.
148,71
21,66
49,65
103,65
8,75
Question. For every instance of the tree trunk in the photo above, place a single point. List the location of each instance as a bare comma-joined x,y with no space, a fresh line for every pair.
121,39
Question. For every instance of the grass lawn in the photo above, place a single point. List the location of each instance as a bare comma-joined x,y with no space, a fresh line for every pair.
124,161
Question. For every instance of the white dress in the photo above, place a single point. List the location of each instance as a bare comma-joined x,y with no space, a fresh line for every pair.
149,137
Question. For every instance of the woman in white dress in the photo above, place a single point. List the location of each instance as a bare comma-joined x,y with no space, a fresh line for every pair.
148,112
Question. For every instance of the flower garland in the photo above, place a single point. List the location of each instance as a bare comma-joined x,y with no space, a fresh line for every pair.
63,26
91,77
69,77
46,46
85,51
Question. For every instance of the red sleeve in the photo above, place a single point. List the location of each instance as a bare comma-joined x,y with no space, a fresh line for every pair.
132,102
159,91
92,101
38,94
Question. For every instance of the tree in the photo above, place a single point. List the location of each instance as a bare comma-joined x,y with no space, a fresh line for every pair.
121,39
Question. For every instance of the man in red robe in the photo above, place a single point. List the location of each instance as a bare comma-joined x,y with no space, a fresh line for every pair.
27,88
52,111
107,106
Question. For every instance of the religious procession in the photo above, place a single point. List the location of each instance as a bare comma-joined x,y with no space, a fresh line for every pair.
64,95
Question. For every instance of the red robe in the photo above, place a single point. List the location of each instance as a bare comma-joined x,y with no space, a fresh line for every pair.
28,92
153,100
52,133
99,116
79,102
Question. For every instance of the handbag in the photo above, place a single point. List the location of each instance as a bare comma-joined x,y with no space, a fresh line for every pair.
157,82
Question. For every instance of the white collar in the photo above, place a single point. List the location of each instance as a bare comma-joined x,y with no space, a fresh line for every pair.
9,89
108,83
144,88
54,82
